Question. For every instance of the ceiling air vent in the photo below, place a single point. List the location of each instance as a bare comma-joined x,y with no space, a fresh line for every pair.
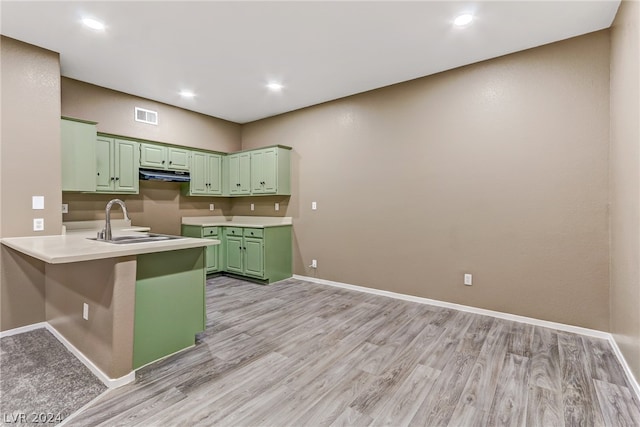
146,116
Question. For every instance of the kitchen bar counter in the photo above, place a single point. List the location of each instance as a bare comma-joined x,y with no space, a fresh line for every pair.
76,247
237,221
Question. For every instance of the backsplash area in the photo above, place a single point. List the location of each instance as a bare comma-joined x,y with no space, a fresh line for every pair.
161,206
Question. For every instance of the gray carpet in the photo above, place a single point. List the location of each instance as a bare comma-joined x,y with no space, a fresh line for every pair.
41,379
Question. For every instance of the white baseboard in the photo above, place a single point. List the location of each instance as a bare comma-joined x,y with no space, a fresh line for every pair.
106,380
625,366
500,315
22,329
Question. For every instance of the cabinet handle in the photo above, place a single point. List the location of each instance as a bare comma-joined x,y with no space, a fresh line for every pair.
98,173
113,179
163,162
117,178
170,161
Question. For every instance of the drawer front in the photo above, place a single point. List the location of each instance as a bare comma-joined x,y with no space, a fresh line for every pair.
234,231
209,231
254,232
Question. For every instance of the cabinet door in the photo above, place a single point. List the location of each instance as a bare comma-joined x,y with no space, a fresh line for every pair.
234,174
105,168
214,162
178,159
198,182
264,171
126,166
234,254
211,256
153,156
78,142
253,257
244,173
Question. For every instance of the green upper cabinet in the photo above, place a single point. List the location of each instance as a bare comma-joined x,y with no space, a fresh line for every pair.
155,156
239,174
206,174
270,171
78,140
265,171
117,164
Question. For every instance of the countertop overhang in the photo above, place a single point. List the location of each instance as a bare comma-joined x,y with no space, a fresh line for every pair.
77,247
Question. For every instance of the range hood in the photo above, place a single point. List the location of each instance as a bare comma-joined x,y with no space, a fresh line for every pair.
168,176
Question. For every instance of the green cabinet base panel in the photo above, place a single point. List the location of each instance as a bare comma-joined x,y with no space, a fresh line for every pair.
170,304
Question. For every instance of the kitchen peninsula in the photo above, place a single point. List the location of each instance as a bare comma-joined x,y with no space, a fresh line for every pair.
121,305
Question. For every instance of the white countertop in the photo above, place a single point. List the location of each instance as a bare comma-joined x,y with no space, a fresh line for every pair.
238,221
75,247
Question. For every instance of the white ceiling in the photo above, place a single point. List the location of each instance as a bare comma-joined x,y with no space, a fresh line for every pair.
226,52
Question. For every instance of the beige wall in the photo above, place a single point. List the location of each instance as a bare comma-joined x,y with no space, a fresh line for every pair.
108,287
498,169
30,166
114,112
625,183
159,205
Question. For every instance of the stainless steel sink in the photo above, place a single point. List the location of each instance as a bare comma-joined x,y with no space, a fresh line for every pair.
138,238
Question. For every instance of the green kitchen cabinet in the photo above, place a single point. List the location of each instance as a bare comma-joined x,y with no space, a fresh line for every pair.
264,254
78,140
206,174
234,254
238,174
162,157
117,165
213,253
270,171
169,303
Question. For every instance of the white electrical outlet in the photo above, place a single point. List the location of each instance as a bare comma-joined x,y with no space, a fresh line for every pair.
314,263
85,311
211,207
277,206
253,207
65,208
38,224
468,279
314,206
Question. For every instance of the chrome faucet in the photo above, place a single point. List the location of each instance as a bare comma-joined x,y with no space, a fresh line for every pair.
105,234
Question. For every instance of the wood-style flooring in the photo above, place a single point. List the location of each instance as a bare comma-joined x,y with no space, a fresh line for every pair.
300,354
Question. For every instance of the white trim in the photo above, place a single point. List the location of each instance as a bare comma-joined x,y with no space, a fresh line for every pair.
106,380
632,380
500,315
22,329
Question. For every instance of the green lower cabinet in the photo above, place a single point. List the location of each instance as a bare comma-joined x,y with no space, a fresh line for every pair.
262,254
213,257
235,254
170,303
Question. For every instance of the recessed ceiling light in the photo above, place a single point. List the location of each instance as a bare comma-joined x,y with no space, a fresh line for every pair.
275,86
463,19
187,94
93,24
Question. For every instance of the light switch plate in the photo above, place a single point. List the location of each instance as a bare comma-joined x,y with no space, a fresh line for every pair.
277,206
253,207
212,206
65,208
314,206
37,202
38,224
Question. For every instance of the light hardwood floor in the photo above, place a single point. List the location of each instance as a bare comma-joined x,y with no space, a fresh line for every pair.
300,354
